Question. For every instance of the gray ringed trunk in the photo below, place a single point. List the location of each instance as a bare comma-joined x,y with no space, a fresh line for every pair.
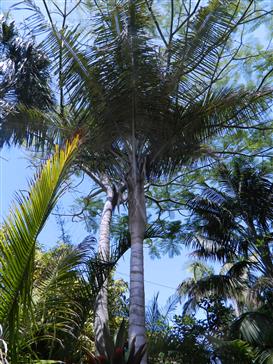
137,226
101,316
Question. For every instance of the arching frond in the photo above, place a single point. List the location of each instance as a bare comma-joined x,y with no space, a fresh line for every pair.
224,286
20,232
158,317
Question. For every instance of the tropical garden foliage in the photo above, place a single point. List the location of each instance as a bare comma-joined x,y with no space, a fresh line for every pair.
155,107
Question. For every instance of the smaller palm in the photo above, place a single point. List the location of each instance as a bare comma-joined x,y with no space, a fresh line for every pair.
231,223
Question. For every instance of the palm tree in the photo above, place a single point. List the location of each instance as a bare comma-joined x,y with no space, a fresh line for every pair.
251,335
145,113
158,326
18,242
24,79
231,285
235,218
232,223
65,285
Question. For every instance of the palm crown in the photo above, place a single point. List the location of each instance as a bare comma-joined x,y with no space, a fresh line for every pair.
235,219
131,92
231,223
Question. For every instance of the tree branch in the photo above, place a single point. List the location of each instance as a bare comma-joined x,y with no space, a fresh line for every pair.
149,6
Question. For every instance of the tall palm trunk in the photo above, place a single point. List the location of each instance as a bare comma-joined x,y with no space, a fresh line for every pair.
101,304
137,226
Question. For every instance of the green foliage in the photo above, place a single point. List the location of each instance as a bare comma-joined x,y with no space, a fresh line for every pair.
60,327
236,351
18,241
231,223
179,78
163,237
184,338
92,209
249,339
118,303
62,303
183,342
24,79
116,352
3,349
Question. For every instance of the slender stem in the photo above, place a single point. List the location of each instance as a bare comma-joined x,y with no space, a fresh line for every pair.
101,305
137,227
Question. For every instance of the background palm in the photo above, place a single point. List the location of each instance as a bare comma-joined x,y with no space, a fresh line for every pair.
24,79
232,223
